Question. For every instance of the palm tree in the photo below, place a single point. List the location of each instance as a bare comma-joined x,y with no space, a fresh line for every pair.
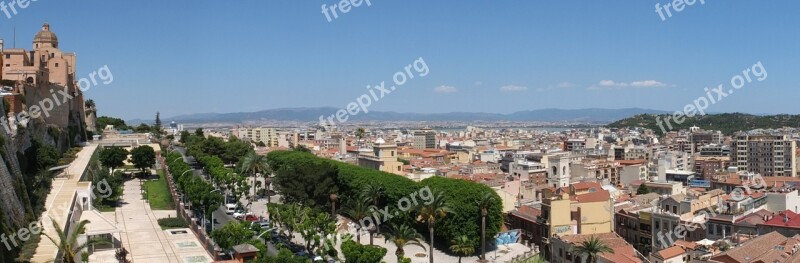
591,248
67,244
401,236
255,164
430,213
462,246
360,135
358,210
374,193
484,203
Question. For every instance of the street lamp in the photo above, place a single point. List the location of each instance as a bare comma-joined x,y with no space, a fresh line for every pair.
179,157
184,192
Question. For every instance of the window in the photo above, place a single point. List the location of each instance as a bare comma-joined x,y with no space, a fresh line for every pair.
8,55
56,64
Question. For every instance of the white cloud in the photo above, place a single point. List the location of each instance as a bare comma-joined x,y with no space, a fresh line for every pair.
445,89
635,84
478,83
647,84
513,88
611,83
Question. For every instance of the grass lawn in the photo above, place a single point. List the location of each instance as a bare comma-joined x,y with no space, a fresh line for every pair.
158,193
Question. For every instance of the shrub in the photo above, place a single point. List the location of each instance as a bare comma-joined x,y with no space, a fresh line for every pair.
172,222
357,253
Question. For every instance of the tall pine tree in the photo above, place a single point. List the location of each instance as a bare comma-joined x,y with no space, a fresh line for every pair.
157,126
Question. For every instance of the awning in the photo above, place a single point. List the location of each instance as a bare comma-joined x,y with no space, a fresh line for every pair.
98,224
57,168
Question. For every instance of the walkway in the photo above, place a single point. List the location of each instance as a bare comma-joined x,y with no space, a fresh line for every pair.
143,237
59,202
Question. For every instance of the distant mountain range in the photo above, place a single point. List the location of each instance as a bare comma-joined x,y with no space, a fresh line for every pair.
312,115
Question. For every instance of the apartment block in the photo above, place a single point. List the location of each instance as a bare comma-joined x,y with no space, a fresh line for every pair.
268,136
765,154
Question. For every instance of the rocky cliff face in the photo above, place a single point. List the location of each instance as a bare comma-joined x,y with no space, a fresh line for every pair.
16,210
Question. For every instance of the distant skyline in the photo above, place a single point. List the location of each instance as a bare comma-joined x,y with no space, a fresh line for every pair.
496,57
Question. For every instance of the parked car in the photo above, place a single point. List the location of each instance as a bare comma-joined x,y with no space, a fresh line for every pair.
240,214
230,208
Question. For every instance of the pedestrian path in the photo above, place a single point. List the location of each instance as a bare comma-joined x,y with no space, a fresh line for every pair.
59,201
145,240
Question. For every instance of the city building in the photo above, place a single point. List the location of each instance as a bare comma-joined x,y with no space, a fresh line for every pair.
580,208
623,252
383,158
42,74
424,139
765,154
268,136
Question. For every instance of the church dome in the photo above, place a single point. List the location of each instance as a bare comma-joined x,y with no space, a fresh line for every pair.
46,36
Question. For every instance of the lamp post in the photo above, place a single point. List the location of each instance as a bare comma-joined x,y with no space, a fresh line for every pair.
183,192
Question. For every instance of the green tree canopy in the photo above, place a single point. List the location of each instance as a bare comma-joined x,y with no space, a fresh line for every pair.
234,149
231,234
104,121
143,157
591,248
357,253
642,190
113,157
308,181
143,128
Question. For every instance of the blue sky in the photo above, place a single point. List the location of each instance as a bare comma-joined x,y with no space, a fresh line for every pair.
181,57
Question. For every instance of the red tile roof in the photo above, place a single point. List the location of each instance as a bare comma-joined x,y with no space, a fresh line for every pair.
784,219
670,252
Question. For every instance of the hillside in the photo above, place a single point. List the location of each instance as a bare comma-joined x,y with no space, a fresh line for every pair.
728,123
313,114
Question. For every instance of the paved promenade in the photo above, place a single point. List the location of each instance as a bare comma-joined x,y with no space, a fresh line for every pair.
143,237
58,202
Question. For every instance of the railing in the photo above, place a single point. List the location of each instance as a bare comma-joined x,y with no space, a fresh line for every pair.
205,240
92,160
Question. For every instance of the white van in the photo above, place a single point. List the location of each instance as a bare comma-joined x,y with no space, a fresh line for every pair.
230,208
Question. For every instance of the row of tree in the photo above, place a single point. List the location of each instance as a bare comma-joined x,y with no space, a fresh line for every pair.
194,189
